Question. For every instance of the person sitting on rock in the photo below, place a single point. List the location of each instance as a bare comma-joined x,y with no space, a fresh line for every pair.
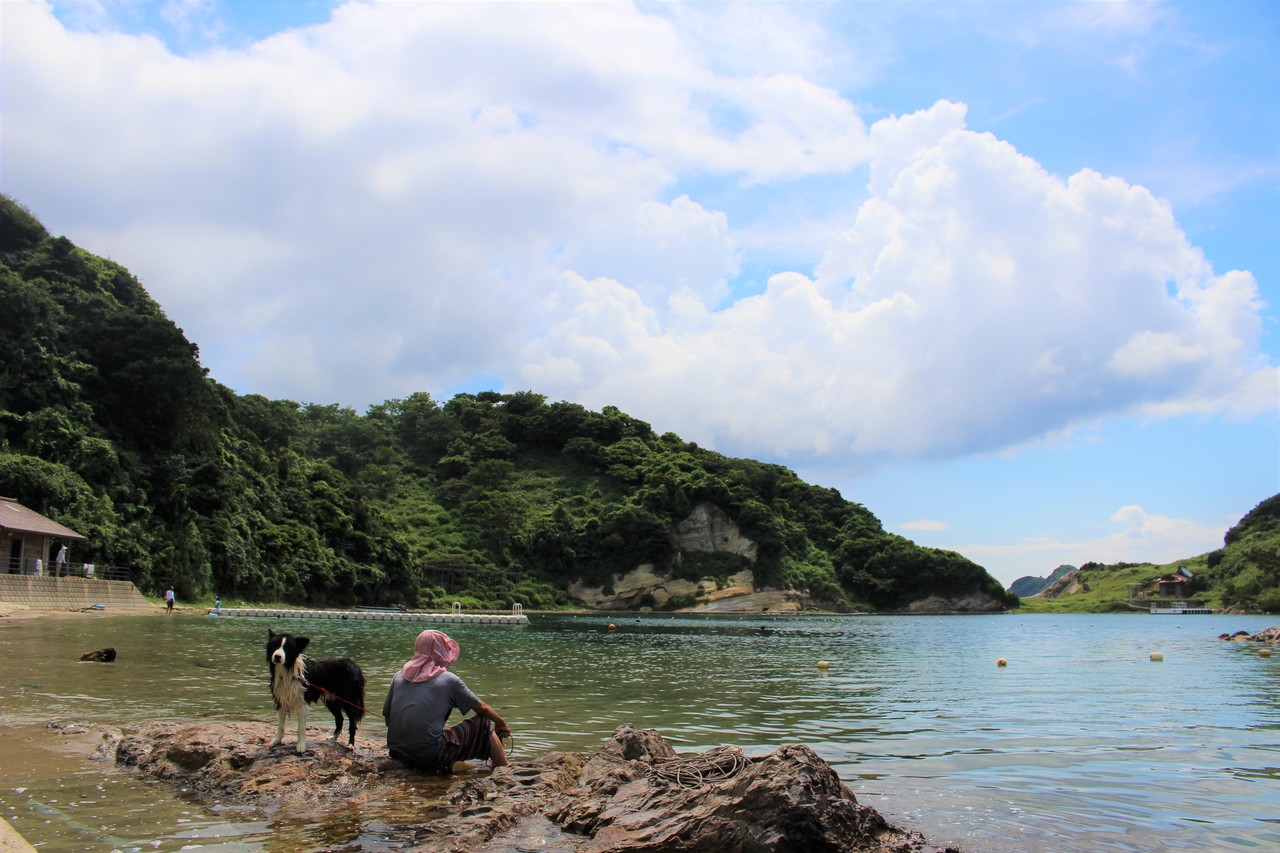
422,696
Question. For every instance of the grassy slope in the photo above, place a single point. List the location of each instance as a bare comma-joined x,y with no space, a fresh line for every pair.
1242,575
1109,589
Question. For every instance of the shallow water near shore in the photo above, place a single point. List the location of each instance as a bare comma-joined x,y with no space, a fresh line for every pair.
1081,743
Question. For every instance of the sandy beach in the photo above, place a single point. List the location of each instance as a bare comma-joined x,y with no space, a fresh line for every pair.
13,610
9,610
11,841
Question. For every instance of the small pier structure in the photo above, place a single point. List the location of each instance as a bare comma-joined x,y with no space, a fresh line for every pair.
456,616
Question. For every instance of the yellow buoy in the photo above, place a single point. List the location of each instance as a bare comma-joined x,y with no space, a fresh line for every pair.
823,664
1266,653
1157,656
1002,662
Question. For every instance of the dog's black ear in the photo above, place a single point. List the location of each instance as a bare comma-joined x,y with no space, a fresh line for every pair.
271,635
301,643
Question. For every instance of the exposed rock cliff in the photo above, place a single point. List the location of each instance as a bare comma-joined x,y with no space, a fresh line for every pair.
645,583
707,529
977,602
1026,587
1066,585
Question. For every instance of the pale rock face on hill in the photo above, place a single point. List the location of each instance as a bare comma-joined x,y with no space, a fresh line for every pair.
630,589
708,528
1068,584
1026,587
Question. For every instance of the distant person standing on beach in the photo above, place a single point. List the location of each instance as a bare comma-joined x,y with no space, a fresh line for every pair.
168,601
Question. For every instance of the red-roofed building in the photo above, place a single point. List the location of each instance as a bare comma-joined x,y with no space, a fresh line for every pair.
25,539
1176,585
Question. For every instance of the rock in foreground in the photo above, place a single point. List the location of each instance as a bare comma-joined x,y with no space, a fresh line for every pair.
635,794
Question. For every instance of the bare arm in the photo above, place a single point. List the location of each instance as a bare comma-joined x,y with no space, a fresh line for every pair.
499,725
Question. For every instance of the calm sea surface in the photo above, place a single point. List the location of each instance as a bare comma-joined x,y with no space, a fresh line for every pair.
1081,743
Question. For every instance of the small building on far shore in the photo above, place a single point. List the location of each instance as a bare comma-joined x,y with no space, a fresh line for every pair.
1176,585
26,539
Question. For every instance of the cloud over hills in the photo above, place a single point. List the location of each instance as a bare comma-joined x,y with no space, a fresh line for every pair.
410,196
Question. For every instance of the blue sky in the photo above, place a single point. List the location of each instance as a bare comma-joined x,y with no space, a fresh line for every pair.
1004,273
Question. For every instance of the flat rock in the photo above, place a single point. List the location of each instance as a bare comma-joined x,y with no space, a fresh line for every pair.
635,794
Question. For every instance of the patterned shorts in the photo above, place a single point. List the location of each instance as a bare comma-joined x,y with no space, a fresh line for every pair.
467,741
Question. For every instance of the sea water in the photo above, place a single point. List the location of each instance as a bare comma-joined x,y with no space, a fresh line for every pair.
1080,743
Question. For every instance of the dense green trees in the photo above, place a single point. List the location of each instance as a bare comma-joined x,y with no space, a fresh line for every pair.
1247,568
109,424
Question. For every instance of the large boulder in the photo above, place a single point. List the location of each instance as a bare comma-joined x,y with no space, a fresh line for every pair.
635,794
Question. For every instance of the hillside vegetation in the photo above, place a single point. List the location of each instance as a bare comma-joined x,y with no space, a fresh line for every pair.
1243,575
109,424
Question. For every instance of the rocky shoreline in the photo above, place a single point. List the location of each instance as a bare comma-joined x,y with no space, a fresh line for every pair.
634,794
1268,635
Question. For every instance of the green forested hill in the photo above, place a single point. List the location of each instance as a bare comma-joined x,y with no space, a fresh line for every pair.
1245,572
109,424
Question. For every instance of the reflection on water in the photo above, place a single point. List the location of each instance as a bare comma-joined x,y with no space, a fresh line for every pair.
1080,744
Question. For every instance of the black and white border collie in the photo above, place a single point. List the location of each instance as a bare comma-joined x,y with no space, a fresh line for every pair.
298,681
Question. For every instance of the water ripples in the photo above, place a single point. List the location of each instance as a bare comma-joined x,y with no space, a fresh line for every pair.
1080,744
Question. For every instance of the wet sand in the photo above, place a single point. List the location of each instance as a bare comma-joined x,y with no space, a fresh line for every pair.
13,610
11,841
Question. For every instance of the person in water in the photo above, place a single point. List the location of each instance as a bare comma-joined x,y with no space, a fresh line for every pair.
422,696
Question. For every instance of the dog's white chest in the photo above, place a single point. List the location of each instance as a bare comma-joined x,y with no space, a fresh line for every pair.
287,686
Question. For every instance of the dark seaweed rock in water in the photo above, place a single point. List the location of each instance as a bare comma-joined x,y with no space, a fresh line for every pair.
1267,635
635,794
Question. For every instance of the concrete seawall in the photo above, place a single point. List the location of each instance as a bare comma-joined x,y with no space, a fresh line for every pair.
41,593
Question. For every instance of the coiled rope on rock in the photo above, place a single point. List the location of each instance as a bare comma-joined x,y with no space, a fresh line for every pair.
715,765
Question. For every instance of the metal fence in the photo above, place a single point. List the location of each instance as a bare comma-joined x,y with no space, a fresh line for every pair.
40,568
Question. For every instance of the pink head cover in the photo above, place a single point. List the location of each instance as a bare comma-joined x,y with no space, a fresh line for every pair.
433,653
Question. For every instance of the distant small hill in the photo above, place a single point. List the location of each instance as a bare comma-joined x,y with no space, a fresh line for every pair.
1068,584
1241,577
1025,587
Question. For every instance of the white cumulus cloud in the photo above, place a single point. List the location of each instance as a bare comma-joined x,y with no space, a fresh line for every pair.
412,195
976,302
